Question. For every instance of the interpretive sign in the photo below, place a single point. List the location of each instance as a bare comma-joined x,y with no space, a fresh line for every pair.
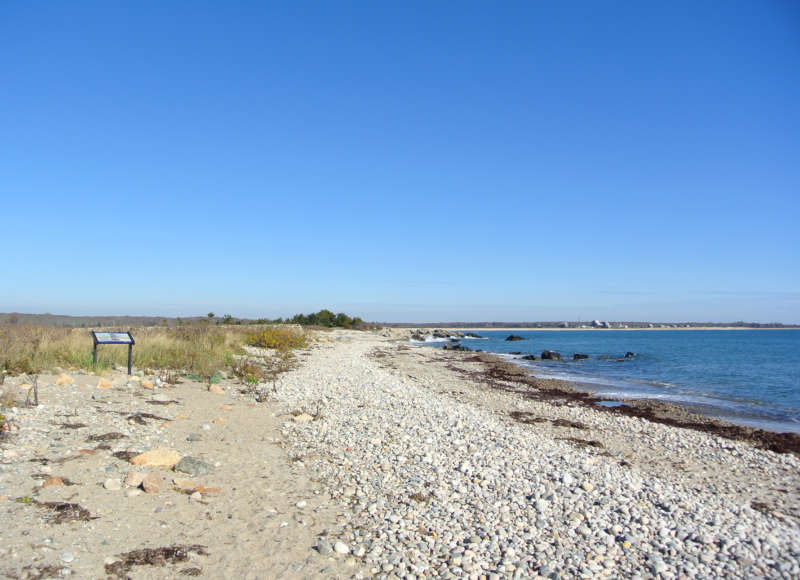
113,337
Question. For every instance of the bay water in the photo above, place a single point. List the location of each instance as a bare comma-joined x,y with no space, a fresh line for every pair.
750,377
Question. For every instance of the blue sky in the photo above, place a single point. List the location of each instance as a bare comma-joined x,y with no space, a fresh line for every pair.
409,161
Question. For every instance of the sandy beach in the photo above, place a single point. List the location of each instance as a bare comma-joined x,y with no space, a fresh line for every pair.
377,458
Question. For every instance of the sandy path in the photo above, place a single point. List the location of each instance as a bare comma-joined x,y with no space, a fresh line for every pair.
253,528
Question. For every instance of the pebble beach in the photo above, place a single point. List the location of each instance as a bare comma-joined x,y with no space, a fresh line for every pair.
377,458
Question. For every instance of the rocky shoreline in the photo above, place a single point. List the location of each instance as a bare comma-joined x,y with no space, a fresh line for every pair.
667,413
374,458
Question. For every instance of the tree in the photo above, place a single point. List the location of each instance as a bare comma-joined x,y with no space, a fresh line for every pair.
210,315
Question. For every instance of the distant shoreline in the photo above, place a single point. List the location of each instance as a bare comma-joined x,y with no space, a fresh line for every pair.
552,328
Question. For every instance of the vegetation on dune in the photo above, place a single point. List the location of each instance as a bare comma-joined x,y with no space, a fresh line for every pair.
278,338
200,349
327,319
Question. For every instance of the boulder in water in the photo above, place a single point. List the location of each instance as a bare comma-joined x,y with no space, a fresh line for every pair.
512,337
551,355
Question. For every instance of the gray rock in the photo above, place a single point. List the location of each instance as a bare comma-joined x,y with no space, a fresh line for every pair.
323,547
193,466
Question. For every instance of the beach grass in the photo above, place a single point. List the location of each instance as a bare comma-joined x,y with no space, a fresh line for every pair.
201,349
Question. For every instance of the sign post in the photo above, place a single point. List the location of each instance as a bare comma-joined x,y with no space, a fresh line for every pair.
113,338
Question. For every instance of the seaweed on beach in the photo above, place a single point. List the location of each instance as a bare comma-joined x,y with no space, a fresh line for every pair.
568,423
60,512
63,512
505,376
73,425
526,417
142,418
126,455
106,437
154,557
582,442
421,497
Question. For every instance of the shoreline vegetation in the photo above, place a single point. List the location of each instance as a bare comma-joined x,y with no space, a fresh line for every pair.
203,346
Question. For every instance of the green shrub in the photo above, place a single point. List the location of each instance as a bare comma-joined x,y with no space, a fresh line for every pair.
277,338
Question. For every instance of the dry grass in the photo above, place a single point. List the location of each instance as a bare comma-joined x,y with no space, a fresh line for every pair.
195,349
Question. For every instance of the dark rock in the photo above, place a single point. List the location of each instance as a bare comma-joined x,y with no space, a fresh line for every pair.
512,337
193,466
530,357
417,336
440,334
551,355
455,346
579,356
516,352
630,354
472,335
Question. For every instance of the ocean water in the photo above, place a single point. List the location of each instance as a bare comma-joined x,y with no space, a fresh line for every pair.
750,377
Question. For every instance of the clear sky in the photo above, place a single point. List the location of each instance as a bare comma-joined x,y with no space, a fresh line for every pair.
405,161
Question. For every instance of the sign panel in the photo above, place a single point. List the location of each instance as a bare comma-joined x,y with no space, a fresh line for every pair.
112,337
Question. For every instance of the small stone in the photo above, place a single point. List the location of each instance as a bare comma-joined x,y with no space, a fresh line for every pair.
301,504
157,458
341,548
56,481
134,478
103,384
112,484
193,466
302,418
147,384
216,389
134,492
194,437
196,496
587,486
323,546
219,421
567,479
152,482
67,557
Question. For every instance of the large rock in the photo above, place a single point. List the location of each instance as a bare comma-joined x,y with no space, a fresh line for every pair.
579,356
455,346
551,355
530,357
513,337
157,458
152,482
193,466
